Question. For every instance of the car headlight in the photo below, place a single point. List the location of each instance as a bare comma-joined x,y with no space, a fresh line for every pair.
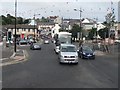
93,53
83,53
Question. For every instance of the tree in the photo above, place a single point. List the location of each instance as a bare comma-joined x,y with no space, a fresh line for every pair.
19,20
75,30
104,33
26,21
110,20
43,19
92,33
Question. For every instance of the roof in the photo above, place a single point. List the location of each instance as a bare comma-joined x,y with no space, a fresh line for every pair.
64,33
87,20
67,45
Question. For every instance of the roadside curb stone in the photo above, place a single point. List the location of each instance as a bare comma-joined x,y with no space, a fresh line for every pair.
15,58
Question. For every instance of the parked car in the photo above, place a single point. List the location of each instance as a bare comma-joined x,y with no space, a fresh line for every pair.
23,42
35,46
30,41
68,54
86,52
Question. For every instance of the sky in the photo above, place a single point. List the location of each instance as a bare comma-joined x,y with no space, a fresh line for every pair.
63,8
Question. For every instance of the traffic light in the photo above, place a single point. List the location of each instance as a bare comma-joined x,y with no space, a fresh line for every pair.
9,36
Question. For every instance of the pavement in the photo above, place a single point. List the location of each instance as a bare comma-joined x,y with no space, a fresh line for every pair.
10,57
100,49
98,52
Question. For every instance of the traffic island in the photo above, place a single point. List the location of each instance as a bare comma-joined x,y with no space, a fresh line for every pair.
17,57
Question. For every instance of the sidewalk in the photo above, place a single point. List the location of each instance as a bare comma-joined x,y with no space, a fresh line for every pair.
17,57
98,52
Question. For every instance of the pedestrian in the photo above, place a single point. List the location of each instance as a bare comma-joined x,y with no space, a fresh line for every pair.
80,43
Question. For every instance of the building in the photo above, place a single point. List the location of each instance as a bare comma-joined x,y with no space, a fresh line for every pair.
22,31
116,30
55,30
88,24
55,19
45,27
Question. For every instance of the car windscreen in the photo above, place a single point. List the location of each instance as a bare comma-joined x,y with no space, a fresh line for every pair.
87,49
68,49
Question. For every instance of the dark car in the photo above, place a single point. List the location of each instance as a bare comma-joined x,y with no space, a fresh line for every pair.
35,46
23,42
86,52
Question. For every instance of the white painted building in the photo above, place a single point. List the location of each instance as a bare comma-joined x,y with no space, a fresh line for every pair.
100,26
55,30
88,24
58,20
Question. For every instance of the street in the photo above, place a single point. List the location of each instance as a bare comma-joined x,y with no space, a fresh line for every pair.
42,70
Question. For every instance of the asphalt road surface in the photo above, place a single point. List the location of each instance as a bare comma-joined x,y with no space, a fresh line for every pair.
42,70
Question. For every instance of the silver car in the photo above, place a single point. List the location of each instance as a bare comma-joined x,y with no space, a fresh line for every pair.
68,53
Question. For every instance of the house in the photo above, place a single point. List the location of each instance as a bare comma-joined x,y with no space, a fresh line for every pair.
100,26
55,19
116,30
22,31
45,27
88,24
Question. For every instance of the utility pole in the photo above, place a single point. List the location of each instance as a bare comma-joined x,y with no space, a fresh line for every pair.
80,11
81,24
15,24
34,25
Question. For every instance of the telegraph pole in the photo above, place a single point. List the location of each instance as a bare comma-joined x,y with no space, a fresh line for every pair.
80,24
34,27
15,25
80,33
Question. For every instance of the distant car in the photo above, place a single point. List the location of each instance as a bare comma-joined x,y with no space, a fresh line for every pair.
23,42
46,41
30,41
35,46
86,52
68,53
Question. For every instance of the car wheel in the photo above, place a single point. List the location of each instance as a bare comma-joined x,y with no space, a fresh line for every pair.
60,63
94,58
82,56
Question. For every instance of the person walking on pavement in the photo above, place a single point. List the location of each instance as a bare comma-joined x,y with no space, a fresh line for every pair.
80,43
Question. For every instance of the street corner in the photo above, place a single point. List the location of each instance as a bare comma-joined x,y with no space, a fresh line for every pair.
18,57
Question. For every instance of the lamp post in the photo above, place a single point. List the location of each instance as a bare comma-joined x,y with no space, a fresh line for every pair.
96,28
80,11
34,25
15,25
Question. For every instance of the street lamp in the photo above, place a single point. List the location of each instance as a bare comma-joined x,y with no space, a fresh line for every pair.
34,25
80,10
15,25
96,27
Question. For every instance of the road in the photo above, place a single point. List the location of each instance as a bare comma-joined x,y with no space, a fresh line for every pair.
42,70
